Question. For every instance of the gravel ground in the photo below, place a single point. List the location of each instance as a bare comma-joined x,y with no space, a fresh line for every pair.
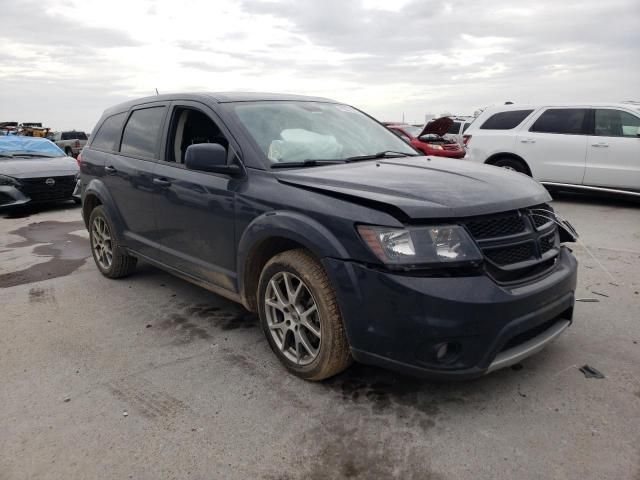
152,377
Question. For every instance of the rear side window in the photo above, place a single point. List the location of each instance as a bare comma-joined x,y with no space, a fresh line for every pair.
505,120
109,133
455,128
74,136
569,121
615,123
142,132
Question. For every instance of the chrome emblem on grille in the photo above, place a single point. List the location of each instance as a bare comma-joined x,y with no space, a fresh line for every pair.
50,181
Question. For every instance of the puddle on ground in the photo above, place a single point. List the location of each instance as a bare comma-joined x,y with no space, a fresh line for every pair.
66,251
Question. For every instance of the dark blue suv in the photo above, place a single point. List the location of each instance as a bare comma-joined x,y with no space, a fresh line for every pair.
347,242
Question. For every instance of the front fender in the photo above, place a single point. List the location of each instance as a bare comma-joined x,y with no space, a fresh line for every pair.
98,189
297,227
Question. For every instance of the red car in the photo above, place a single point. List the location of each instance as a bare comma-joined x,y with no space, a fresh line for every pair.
430,139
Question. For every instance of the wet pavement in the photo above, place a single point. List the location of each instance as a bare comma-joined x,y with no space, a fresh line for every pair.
152,377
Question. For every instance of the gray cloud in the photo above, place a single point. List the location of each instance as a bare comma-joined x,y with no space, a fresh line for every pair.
27,21
560,49
425,57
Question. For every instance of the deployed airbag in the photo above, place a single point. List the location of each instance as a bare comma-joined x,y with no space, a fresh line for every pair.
298,144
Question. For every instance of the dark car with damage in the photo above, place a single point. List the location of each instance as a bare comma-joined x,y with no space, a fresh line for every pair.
35,171
347,242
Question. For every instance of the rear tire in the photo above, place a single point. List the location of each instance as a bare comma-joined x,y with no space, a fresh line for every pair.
314,345
512,164
110,257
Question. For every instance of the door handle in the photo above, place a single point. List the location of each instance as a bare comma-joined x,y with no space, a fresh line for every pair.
110,170
163,182
528,140
600,145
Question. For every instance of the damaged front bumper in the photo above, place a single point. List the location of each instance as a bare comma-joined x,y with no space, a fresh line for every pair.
453,327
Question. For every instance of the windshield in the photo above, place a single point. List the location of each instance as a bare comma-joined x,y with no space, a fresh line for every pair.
300,131
15,146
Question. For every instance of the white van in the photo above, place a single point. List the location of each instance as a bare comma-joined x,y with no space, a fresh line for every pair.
592,147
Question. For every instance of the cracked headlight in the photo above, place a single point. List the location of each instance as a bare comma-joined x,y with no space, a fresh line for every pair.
4,180
413,246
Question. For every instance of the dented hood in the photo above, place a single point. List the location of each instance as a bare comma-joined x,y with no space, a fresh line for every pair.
439,126
423,187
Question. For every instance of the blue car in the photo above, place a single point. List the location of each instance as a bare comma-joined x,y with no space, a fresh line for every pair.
34,170
347,242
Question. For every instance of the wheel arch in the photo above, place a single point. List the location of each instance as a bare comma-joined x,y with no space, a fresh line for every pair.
97,194
500,155
273,233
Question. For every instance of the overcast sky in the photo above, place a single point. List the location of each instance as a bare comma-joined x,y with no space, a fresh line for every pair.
63,61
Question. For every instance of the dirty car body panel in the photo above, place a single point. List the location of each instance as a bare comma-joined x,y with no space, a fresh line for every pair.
513,299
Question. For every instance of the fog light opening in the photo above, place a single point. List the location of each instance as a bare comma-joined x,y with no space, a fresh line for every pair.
447,352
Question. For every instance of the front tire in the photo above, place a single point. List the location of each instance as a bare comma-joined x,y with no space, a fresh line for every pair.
110,257
300,316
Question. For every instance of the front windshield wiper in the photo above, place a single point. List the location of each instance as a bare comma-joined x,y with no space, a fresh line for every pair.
307,163
383,154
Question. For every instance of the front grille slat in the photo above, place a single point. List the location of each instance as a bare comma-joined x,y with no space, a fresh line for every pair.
500,226
547,242
515,244
512,254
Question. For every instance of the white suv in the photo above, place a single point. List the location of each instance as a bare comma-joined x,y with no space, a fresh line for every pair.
458,128
592,147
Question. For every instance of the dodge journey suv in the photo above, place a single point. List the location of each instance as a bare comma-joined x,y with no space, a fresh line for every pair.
347,242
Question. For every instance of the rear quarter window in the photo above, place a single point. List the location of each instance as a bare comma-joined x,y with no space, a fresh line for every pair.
505,120
108,135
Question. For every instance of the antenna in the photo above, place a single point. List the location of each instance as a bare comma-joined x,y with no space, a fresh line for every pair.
157,92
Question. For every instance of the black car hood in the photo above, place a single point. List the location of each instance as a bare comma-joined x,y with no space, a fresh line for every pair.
423,187
38,167
439,126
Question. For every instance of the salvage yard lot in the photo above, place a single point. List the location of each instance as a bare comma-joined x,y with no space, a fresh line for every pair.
152,377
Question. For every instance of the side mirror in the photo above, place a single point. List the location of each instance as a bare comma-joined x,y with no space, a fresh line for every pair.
209,157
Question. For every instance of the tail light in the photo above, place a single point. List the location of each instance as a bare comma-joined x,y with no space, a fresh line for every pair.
466,139
79,160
